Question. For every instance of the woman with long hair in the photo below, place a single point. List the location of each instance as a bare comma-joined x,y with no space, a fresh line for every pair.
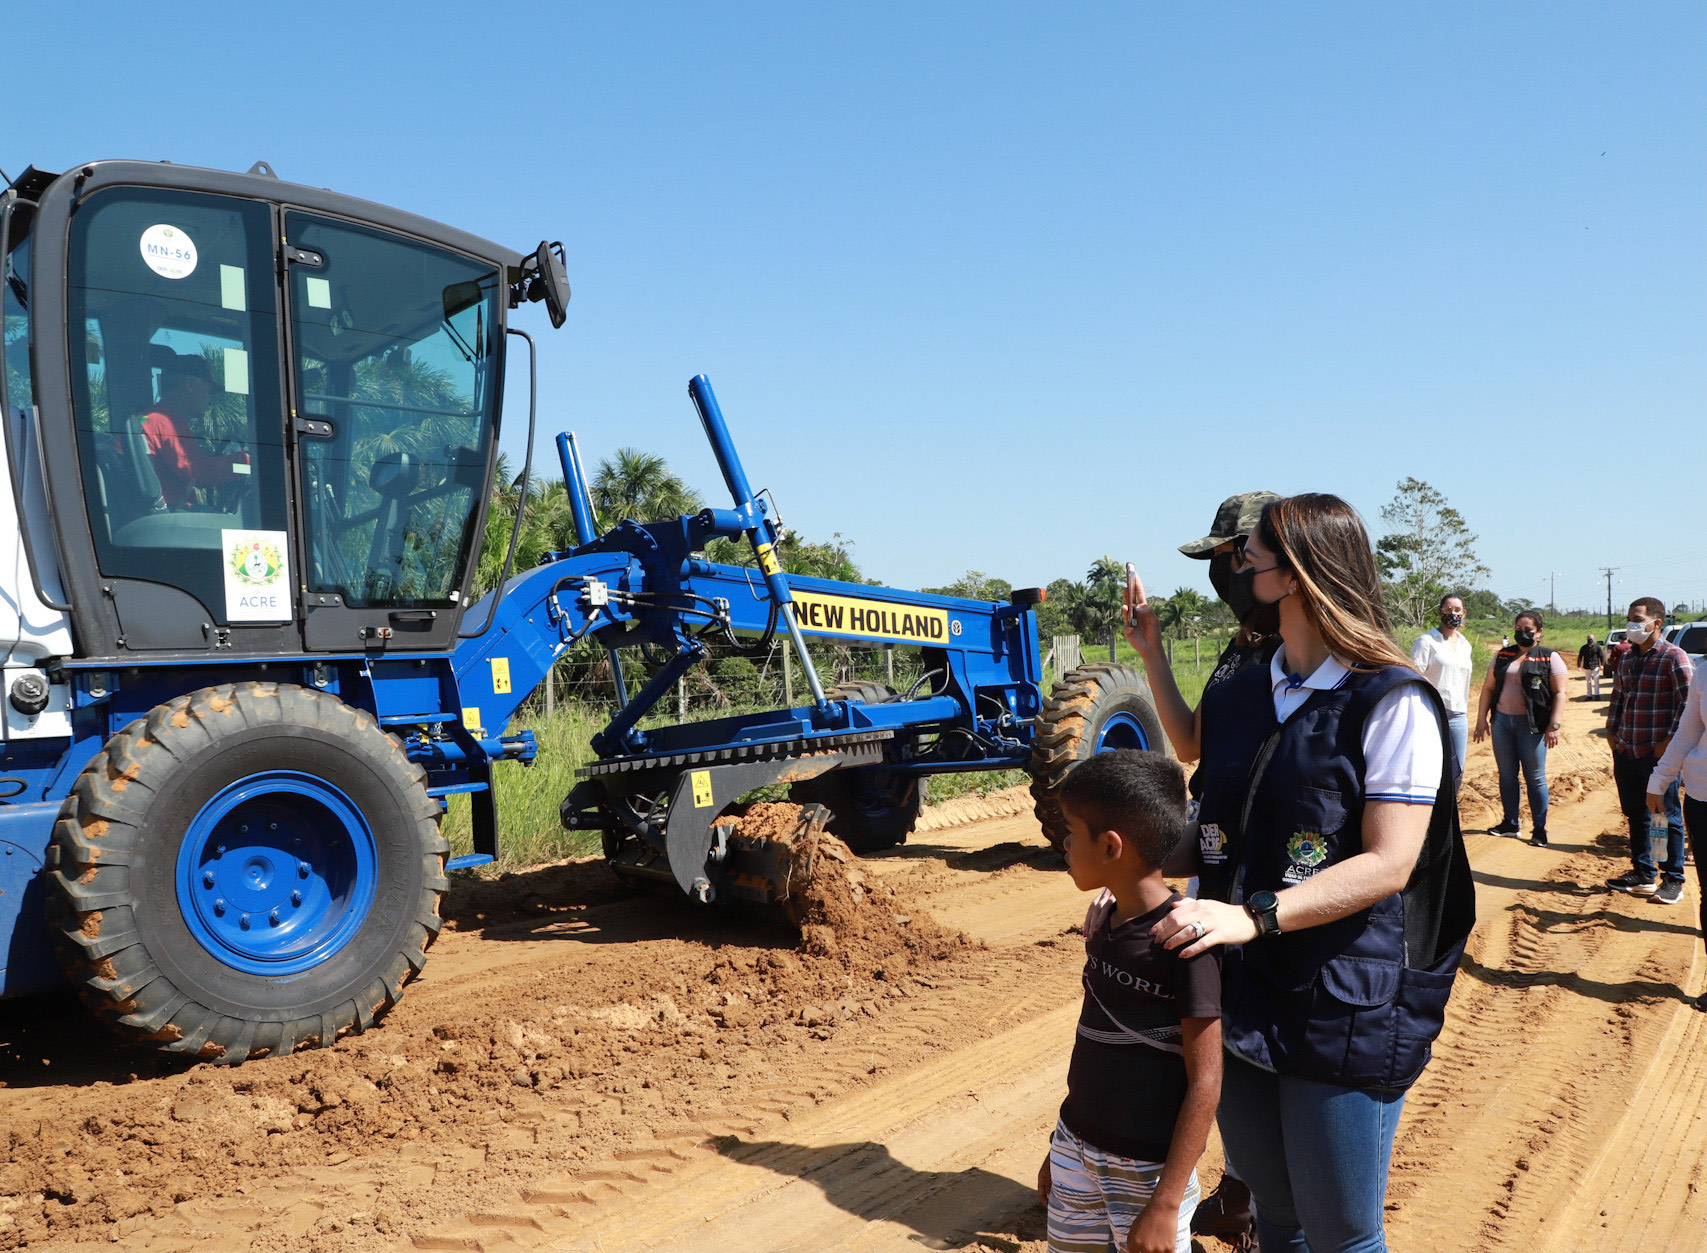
1332,863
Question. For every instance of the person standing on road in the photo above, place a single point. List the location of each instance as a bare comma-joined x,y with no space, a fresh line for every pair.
1648,697
1530,682
1590,657
1145,1073
1334,872
1443,656
1685,761
1226,1212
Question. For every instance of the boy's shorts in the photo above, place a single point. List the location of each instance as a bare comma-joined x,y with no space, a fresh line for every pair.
1095,1197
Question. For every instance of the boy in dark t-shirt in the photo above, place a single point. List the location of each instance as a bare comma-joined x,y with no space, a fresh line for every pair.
1146,1069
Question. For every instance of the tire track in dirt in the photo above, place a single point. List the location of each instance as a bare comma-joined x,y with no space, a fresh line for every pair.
580,1065
1567,1000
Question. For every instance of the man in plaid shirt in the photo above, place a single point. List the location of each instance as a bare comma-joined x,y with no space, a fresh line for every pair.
1647,704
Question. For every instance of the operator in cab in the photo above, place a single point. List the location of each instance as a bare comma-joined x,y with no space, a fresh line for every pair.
180,462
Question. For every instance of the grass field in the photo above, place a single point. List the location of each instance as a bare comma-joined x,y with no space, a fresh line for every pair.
528,797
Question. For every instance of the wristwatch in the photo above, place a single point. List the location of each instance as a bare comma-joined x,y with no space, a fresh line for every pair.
1264,909
1552,726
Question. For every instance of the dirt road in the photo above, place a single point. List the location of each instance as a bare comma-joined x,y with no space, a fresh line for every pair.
582,1068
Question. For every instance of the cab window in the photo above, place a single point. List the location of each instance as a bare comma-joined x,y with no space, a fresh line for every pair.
396,364
180,428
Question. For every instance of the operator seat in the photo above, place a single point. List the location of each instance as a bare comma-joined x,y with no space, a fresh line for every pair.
141,465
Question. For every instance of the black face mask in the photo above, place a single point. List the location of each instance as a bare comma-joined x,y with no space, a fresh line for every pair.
1234,587
1524,637
1451,619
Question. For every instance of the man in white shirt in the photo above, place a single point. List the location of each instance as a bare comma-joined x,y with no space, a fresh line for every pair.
1443,656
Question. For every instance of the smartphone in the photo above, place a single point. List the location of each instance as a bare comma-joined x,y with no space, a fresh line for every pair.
1134,593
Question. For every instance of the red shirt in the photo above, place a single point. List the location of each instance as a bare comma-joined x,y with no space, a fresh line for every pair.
180,463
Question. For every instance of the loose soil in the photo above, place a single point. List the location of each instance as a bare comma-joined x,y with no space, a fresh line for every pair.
588,1066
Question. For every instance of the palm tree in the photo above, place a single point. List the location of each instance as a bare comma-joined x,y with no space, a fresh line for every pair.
640,486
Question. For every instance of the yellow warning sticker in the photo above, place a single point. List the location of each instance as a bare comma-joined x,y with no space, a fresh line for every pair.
869,619
471,718
701,780
500,676
767,560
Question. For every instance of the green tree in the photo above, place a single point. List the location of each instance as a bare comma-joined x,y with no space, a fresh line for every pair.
1428,552
640,486
1184,614
974,585
1052,616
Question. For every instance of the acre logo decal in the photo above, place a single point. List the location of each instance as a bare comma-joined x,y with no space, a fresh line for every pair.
257,576
256,563
1306,850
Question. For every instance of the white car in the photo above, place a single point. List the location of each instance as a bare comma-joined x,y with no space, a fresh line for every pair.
1691,637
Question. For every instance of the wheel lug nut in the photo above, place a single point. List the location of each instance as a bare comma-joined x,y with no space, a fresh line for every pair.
296,898
272,826
219,850
243,829
207,878
273,918
219,907
302,870
243,921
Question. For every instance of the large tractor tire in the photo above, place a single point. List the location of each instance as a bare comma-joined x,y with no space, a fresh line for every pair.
1091,710
870,810
248,870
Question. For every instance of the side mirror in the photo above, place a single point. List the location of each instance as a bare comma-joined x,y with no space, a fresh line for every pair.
394,474
550,281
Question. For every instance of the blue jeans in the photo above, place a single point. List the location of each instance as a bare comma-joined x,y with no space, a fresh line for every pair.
1515,744
1631,775
1458,727
1314,1156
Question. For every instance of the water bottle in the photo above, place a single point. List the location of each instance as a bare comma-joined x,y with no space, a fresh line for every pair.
1657,825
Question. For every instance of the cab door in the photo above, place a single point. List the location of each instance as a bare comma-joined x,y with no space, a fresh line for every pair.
396,377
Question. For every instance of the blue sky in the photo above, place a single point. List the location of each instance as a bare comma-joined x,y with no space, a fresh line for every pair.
1008,287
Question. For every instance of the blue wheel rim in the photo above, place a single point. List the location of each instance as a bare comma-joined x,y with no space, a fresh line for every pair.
1122,730
276,873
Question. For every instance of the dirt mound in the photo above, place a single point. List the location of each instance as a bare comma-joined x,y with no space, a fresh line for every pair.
1009,802
613,1043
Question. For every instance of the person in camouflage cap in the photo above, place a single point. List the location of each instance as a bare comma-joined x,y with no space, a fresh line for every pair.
1234,521
1226,1213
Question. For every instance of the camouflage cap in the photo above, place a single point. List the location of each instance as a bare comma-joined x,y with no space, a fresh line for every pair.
1238,515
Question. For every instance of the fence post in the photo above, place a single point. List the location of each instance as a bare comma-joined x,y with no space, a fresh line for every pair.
787,678
889,664
551,691
1111,655
1067,656
682,699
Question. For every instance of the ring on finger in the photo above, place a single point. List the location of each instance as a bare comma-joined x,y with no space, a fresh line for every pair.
1198,930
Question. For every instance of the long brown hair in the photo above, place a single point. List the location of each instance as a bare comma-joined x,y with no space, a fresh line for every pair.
1323,542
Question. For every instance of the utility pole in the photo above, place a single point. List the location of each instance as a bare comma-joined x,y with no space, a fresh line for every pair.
1553,592
1609,571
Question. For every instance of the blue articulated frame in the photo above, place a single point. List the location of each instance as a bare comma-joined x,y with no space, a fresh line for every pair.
633,585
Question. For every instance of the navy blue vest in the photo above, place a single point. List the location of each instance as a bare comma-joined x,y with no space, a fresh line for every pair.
1359,1001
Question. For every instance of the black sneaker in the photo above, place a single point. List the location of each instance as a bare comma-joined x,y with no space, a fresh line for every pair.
1701,1002
1629,881
1539,839
1225,1213
1506,828
1670,893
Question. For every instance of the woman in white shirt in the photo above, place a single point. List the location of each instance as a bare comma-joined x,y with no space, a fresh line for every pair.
1443,656
1686,758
